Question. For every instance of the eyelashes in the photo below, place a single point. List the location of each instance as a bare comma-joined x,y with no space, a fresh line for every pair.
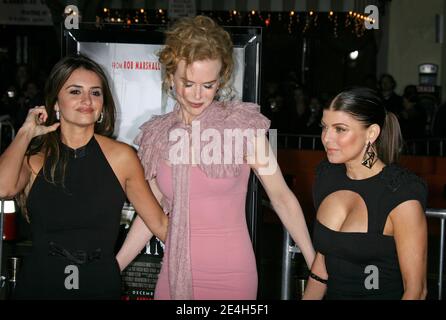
206,86
338,129
77,92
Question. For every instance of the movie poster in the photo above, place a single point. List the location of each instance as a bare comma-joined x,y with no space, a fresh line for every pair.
135,76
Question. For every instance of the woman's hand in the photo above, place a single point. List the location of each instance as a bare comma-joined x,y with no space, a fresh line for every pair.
34,122
15,172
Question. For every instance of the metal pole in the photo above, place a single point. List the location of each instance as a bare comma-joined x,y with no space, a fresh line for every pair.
304,68
13,132
286,267
440,266
441,214
288,251
2,278
252,210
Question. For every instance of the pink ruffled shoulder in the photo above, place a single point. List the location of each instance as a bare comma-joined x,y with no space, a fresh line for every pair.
232,115
153,139
245,115
151,142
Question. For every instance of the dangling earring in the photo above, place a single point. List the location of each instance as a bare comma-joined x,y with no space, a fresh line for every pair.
172,92
101,117
369,158
57,115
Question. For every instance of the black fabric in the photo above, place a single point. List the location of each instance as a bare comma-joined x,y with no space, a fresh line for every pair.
74,225
348,254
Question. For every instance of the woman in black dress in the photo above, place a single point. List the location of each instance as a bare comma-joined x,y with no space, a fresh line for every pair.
73,181
370,233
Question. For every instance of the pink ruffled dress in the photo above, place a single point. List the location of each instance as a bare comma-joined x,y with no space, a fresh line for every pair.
208,253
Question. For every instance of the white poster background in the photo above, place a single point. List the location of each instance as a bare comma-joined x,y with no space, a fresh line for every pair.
135,78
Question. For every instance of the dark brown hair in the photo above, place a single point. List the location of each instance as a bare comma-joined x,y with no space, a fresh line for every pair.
366,106
50,144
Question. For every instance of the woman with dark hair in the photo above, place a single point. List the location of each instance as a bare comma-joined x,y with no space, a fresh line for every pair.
370,233
72,180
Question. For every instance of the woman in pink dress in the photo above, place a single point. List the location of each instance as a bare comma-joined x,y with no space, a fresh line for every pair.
197,159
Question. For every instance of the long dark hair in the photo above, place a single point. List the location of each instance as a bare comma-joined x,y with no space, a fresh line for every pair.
50,144
366,106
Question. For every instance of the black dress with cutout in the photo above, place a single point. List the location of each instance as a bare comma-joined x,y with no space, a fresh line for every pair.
364,265
74,228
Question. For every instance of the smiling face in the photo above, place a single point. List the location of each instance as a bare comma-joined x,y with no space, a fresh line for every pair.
345,138
196,86
80,100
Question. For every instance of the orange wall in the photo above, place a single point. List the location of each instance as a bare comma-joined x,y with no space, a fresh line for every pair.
301,165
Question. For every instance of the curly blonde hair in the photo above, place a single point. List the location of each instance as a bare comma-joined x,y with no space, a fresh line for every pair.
195,39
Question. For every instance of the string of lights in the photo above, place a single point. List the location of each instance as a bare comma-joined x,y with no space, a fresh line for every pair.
297,22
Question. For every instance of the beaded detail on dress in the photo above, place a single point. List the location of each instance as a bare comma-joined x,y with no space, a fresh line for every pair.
394,176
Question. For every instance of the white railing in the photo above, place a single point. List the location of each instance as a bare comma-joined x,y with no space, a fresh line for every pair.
439,214
421,147
425,147
299,141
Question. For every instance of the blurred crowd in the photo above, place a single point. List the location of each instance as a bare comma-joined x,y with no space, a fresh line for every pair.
290,106
294,110
19,92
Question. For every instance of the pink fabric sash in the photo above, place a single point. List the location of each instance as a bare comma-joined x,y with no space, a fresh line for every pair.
154,145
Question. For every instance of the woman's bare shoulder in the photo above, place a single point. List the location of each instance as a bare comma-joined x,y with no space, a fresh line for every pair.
116,150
